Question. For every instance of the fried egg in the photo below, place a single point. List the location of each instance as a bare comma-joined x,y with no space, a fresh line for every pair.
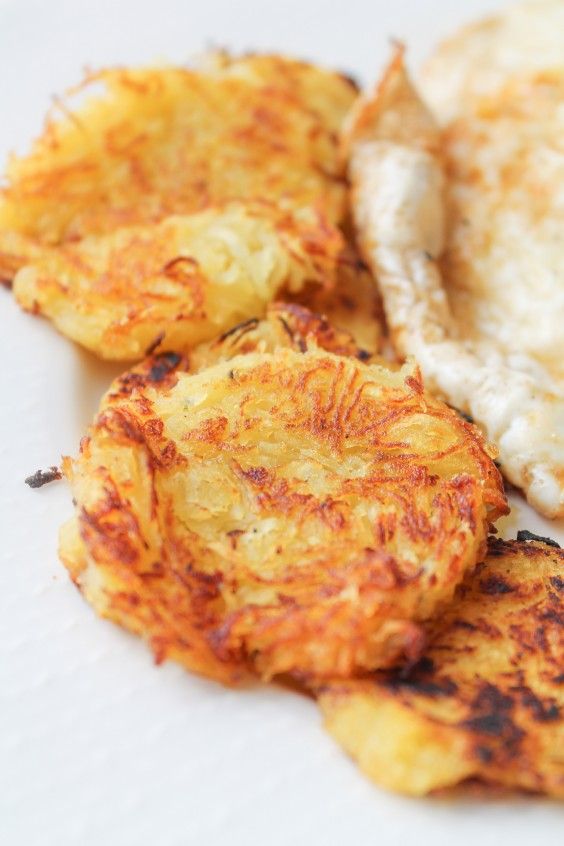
461,228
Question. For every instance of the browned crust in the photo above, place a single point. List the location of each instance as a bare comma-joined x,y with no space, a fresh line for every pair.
491,682
352,599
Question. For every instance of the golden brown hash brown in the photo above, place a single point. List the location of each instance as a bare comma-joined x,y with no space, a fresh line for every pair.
487,699
180,281
286,325
289,509
353,303
170,140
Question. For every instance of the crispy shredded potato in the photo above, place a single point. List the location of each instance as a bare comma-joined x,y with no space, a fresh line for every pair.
461,228
180,281
487,699
141,145
286,509
352,304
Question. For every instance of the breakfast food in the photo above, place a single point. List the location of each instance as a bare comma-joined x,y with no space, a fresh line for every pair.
166,141
487,699
522,41
180,281
263,494
352,303
290,509
461,230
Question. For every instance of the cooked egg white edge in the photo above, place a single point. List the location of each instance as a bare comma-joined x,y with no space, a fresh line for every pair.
398,209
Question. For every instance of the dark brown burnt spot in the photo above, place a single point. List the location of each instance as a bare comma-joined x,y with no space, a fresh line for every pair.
421,679
491,712
543,711
496,548
120,422
240,328
553,615
286,328
525,535
163,365
43,477
557,583
484,754
495,585
125,384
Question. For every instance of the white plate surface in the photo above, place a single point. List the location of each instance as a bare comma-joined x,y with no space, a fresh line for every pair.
97,745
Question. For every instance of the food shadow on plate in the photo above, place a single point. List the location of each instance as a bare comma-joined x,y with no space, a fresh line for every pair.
93,377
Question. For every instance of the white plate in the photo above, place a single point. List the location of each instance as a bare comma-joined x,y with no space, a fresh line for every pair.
97,745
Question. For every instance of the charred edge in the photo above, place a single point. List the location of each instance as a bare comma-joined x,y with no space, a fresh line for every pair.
498,547
43,477
419,679
243,327
495,585
491,710
557,583
286,328
363,355
463,414
553,615
542,712
295,340
164,365
525,535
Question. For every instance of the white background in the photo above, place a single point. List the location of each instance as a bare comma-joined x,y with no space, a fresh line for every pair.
98,746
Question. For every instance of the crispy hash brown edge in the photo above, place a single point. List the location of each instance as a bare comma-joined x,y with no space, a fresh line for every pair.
485,702
122,159
181,281
102,546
